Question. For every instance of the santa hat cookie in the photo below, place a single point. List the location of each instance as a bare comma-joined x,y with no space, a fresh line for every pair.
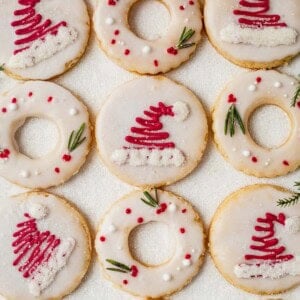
45,246
254,33
151,131
263,256
41,39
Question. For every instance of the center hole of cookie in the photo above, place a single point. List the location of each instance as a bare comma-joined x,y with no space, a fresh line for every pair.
37,137
149,19
151,244
269,126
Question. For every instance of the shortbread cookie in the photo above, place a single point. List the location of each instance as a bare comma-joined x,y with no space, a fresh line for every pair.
232,111
148,56
45,100
151,132
255,243
140,208
41,39
254,33
45,247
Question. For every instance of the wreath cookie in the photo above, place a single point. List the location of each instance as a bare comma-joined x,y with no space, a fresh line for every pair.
41,39
151,132
255,243
254,33
239,99
45,100
140,208
45,247
145,56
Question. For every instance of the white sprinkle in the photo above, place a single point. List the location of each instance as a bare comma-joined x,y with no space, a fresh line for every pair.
234,149
186,262
269,159
13,106
167,277
178,268
277,84
267,163
246,153
37,172
251,88
73,111
172,207
122,43
22,100
24,174
193,250
186,20
120,248
112,228
109,21
146,49
285,95
292,83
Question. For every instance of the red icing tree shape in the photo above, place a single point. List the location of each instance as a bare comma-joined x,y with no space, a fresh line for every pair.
267,245
255,14
149,133
32,247
30,25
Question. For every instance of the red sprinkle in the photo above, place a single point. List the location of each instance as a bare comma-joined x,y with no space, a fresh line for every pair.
50,99
111,2
127,52
56,170
231,98
125,281
254,159
191,3
14,100
140,220
128,211
286,163
298,104
155,63
67,157
102,238
181,7
117,32
172,51
113,41
183,210
258,79
182,230
188,256
4,110
134,271
30,94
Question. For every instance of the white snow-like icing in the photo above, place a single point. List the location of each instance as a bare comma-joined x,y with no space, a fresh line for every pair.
277,84
268,270
181,111
45,274
172,207
37,210
252,88
267,37
109,21
13,106
146,157
41,50
146,49
292,225
246,153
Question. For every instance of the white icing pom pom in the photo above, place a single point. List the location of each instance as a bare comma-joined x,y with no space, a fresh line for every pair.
181,111
292,224
172,207
246,153
24,174
167,277
73,111
37,211
13,106
277,84
109,21
186,262
251,88
146,49
120,156
112,228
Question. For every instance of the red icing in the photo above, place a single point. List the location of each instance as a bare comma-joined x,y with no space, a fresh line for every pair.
102,239
231,98
182,230
31,26
4,153
286,163
57,170
149,133
4,110
32,247
67,157
268,247
172,51
128,211
255,14
140,220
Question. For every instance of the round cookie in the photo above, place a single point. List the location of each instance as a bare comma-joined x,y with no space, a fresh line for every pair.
45,100
232,111
140,208
148,56
151,132
254,34
41,39
45,247
255,243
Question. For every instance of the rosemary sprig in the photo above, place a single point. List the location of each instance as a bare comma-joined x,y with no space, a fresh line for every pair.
185,36
232,118
296,97
2,67
294,199
120,267
150,200
75,139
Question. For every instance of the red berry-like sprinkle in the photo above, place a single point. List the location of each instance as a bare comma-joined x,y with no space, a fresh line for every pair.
188,256
158,211
140,220
125,281
30,94
254,159
258,79
14,100
117,32
67,157
128,211
50,99
191,3
298,104
102,239
231,98
6,152
183,210
155,62
286,163
113,41
134,271
172,51
111,2
4,110
127,52
182,230
181,7
56,170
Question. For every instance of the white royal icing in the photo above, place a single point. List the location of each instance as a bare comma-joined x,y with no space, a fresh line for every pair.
37,211
292,225
167,277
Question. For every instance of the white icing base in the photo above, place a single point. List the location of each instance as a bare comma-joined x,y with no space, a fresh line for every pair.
146,157
267,37
45,274
268,270
41,50
181,111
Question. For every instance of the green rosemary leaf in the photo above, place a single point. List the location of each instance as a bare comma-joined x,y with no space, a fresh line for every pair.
150,198
231,122
297,184
148,203
239,119
296,97
182,34
2,68
118,264
71,139
156,194
289,201
186,45
77,140
226,122
184,37
116,270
